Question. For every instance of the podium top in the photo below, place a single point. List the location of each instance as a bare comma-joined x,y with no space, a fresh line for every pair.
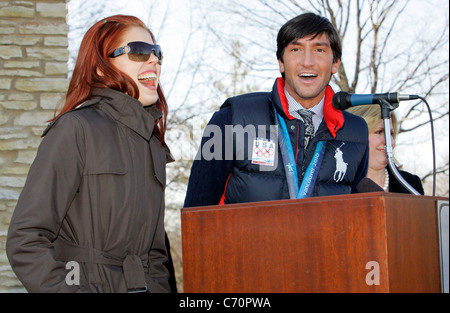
368,195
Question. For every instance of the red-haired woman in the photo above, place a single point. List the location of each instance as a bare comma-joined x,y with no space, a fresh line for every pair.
91,215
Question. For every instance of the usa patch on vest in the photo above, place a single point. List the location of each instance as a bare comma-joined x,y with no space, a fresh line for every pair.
263,152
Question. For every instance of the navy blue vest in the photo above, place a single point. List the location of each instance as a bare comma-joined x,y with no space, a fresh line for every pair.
344,162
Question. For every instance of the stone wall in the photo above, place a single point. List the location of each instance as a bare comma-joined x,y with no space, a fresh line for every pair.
33,79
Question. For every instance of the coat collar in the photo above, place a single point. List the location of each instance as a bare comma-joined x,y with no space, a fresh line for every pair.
334,119
128,111
122,108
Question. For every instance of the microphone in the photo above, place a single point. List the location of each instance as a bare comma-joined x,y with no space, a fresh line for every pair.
344,100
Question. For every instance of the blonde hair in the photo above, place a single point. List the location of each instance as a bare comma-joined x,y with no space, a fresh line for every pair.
372,115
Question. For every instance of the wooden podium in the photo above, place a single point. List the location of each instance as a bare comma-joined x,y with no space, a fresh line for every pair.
371,242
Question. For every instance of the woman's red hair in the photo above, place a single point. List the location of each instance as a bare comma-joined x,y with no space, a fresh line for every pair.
98,42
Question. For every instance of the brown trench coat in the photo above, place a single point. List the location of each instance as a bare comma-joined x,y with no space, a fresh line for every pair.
94,195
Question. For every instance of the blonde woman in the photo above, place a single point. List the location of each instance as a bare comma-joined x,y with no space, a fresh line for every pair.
379,170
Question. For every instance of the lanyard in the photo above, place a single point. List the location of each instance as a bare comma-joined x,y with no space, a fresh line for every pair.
290,167
312,171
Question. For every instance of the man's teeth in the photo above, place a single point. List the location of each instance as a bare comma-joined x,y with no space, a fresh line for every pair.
147,76
307,75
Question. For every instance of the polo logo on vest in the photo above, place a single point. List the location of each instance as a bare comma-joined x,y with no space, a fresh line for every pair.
341,166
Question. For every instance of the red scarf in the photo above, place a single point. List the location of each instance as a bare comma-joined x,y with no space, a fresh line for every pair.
334,119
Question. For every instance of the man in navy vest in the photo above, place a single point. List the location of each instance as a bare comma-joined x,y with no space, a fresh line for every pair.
288,143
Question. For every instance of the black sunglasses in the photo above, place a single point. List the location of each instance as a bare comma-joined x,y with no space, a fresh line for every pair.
138,51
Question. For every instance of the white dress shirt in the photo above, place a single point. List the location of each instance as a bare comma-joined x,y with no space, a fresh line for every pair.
294,106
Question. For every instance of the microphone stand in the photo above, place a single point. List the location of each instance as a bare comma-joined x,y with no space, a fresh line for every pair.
386,108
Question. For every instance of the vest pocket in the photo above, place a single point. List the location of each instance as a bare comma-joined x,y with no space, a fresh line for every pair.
253,186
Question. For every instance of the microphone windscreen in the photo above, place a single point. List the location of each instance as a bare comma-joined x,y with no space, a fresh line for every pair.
339,100
368,185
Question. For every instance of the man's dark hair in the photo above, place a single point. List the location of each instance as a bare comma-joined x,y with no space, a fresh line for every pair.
308,24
